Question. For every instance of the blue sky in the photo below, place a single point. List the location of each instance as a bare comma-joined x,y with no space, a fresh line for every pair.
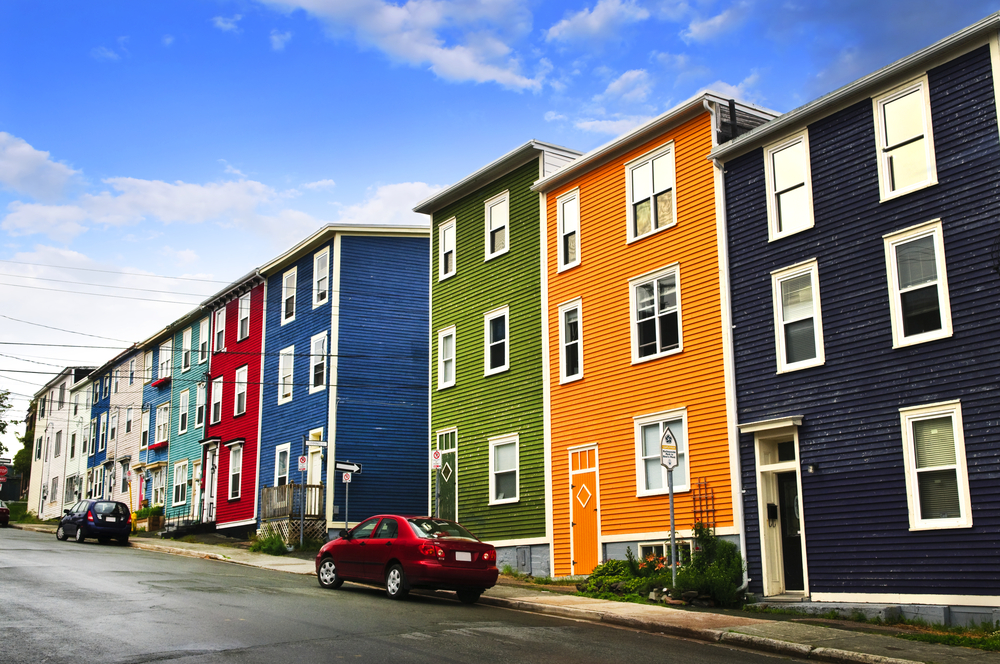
197,139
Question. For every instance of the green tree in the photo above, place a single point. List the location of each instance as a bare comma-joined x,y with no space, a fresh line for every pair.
4,407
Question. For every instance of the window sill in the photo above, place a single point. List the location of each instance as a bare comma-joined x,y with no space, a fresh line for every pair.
572,379
800,367
637,238
493,372
885,198
650,358
445,387
952,524
282,401
314,390
506,501
235,415
444,277
566,268
490,257
782,236
317,305
285,321
663,493
921,338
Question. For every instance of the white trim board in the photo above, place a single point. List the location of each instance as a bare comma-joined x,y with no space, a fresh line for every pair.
900,598
659,534
528,541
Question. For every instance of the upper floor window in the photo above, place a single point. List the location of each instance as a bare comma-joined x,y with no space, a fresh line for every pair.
651,477
131,372
321,277
789,186
180,482
144,435
244,328
937,477
203,338
186,349
568,213
217,400
113,434
220,329
199,405
504,470
147,368
62,393
235,470
317,363
496,328
166,358
570,342
446,357
281,455
182,411
286,373
918,284
114,390
104,390
446,249
240,402
41,402
905,141
497,225
656,321
798,326
288,284
76,402
649,181
102,442
163,422
128,420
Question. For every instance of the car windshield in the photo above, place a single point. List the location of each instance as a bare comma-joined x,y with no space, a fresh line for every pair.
433,528
105,508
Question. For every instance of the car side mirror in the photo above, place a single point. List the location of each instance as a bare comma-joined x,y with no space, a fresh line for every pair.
65,511
345,533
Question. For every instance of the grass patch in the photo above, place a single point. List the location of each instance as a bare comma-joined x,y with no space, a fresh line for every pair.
507,570
967,638
272,545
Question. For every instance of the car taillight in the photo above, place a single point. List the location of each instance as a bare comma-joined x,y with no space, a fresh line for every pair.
430,550
90,517
490,556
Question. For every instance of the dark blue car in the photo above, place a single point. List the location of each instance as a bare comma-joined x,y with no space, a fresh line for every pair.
103,519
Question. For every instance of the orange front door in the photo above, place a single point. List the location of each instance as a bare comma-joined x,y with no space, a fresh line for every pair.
583,508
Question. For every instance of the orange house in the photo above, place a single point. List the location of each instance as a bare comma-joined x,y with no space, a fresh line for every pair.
635,302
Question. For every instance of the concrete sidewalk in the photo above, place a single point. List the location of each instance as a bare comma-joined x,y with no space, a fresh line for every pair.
786,637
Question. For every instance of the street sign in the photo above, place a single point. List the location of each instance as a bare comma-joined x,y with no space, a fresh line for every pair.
346,478
435,459
5,460
302,463
347,467
668,450
2,480
316,443
3,470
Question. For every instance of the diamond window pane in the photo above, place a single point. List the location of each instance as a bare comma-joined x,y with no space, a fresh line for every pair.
904,118
934,441
641,182
939,495
789,166
663,173
796,298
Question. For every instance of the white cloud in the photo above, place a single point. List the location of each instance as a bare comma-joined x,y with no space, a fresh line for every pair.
744,90
710,28
232,169
390,204
104,53
182,256
632,86
29,171
614,127
320,184
227,24
600,23
671,60
279,39
552,116
167,40
60,222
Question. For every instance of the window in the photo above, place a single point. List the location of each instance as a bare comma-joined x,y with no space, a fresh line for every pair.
199,407
93,437
650,476
568,213
163,422
789,187
937,479
115,390
113,434
217,400
203,337
180,482
446,357
62,394
905,143
286,371
58,448
68,489
321,277
235,470
106,386
54,494
220,329
41,403
497,348
102,443
281,456
504,470
497,223
244,329
76,403
144,435
125,481
186,349
240,403
288,296
317,363
128,420
38,449
649,181
182,411
166,358
656,323
159,486
72,446
147,367
446,249
918,284
131,371
570,342
798,326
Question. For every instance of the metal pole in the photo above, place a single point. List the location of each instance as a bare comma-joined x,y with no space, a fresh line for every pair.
437,493
302,511
673,540
347,501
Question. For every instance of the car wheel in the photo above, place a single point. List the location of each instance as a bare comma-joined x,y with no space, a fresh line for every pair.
79,534
327,574
123,540
395,583
469,595
61,533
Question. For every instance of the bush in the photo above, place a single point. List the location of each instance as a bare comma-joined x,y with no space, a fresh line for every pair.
716,570
146,512
272,545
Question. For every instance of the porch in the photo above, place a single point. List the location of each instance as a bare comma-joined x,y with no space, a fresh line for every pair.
281,512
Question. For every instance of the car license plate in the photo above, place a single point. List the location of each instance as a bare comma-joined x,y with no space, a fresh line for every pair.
110,518
463,556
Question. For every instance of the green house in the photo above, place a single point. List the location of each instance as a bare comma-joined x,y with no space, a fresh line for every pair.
486,355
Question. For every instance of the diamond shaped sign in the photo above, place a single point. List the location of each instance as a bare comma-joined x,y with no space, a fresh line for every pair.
446,471
583,496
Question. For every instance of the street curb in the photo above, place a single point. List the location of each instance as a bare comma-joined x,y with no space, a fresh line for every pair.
161,548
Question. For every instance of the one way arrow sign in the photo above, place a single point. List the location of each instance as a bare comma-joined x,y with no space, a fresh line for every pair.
347,466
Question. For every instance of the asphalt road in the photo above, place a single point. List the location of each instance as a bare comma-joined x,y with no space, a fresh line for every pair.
68,602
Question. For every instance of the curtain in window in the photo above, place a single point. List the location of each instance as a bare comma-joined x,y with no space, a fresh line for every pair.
937,473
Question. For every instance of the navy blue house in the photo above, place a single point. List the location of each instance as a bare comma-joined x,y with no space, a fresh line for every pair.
345,362
864,278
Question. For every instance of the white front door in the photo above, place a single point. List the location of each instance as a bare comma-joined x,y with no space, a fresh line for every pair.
211,472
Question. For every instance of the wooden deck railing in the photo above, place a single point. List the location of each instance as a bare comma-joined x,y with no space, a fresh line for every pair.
278,502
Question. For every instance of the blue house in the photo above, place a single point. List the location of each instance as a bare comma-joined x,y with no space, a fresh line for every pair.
153,455
99,464
863,272
345,363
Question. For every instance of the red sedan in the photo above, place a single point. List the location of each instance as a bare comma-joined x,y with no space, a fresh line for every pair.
402,553
4,514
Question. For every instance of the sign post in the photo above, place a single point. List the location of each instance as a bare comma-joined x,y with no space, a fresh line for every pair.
436,466
346,479
668,459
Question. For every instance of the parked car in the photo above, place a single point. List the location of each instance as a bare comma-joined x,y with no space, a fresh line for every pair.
103,519
4,514
402,553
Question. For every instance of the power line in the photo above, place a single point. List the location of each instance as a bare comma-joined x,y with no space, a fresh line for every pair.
59,329
130,274
120,297
85,283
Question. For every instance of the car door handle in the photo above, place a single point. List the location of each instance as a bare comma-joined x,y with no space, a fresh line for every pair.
389,543
361,543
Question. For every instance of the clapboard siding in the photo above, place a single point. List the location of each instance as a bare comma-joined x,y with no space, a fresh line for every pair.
482,407
855,507
186,446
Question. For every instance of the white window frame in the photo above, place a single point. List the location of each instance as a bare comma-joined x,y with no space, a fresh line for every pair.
289,293
774,232
162,423
160,486
633,321
181,472
681,484
497,200
204,339
102,441
131,371
76,402
220,330
884,177
165,367
452,225
287,449
487,318
933,229
128,420
200,407
147,367
144,434
321,275
317,343
72,446
105,391
58,446
639,162
286,367
182,411
112,431
907,417
216,407
576,304
241,391
497,442
235,452
114,389
779,277
442,335
186,349
244,322
569,197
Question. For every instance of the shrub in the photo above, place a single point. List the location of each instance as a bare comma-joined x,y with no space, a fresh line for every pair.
272,545
716,570
146,512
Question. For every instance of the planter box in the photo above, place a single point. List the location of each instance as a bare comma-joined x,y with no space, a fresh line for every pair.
151,524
